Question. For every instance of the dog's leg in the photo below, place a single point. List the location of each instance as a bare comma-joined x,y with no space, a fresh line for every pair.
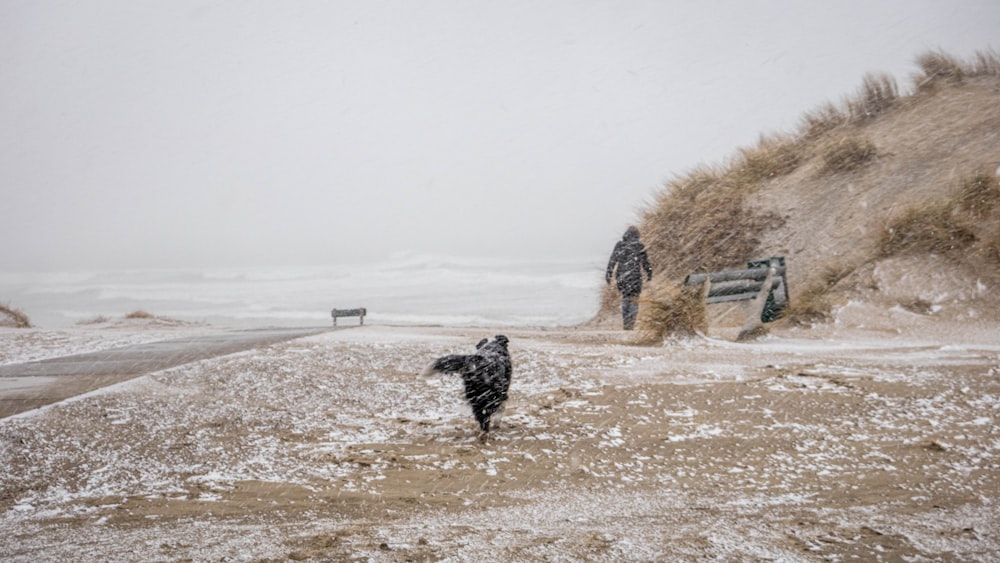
498,415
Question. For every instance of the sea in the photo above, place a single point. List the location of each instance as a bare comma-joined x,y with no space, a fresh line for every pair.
403,290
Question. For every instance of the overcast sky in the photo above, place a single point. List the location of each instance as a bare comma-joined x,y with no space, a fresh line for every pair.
178,133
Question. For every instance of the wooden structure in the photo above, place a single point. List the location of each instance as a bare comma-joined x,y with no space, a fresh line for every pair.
359,312
763,282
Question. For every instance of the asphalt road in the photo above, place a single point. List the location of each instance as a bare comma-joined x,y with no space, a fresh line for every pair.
31,385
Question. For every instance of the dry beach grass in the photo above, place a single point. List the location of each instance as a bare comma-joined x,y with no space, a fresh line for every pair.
13,317
828,196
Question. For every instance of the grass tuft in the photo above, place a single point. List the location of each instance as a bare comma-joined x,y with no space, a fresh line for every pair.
139,314
11,317
935,66
934,228
814,305
938,66
878,93
772,157
980,194
847,154
822,120
985,63
668,311
700,223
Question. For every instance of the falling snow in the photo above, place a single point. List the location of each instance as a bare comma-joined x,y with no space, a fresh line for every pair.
332,446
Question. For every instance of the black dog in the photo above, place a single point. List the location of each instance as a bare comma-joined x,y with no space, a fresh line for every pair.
486,376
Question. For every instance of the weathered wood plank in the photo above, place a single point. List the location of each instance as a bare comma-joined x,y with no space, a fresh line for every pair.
739,287
757,274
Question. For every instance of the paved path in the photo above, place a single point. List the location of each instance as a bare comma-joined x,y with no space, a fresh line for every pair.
35,384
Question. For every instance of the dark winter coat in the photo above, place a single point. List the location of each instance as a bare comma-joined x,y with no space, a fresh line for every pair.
629,256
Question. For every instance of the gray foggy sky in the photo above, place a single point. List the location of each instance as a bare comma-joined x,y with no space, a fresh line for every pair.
222,133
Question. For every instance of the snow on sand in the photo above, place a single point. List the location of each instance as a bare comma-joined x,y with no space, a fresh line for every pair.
331,447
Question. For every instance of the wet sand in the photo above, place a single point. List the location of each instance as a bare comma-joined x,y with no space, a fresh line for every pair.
30,385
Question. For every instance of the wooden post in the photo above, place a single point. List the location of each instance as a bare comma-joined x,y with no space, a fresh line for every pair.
762,282
753,324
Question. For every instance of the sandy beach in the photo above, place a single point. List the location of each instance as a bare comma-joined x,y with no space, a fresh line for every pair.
832,444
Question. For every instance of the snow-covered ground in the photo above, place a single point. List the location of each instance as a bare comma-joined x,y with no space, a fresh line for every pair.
806,445
28,345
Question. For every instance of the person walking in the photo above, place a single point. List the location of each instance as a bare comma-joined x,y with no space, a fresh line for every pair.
628,261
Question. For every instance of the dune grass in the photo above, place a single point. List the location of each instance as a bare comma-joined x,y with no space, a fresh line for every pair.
877,94
980,194
847,153
702,221
984,63
814,304
669,312
12,317
139,314
699,221
948,227
816,123
772,157
937,67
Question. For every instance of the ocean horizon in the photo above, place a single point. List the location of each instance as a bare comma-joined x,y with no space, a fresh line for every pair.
403,290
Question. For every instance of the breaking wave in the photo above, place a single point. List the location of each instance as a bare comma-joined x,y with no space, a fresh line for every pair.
405,289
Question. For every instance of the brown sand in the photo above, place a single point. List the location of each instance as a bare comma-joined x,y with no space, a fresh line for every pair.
831,444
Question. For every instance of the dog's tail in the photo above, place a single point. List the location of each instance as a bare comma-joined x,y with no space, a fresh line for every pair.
446,364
